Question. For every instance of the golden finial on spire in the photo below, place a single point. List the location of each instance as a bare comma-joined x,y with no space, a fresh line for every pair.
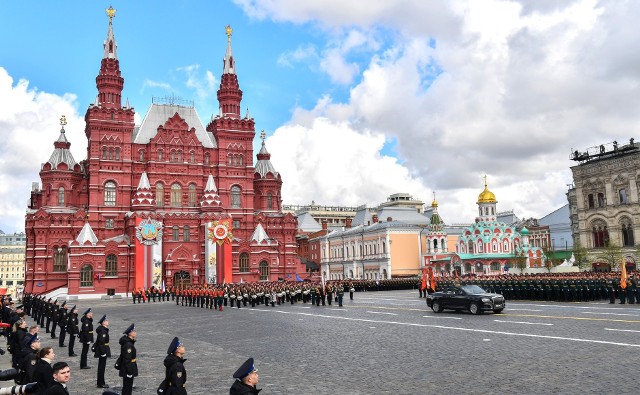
63,121
228,30
485,180
111,12
263,135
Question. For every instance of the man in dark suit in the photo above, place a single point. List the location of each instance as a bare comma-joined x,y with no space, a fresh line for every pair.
61,375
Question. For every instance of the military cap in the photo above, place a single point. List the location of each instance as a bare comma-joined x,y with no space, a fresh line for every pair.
244,370
104,317
74,307
87,312
49,300
63,304
19,306
31,339
130,329
175,343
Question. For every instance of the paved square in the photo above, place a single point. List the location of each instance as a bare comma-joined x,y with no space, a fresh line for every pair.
382,342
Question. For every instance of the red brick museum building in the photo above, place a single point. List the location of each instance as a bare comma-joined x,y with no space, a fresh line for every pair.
169,202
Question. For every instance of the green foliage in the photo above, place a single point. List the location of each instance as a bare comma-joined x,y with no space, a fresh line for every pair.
612,254
581,255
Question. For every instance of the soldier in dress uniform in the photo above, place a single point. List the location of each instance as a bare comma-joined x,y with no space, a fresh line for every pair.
73,330
101,349
127,361
175,373
246,379
54,319
63,317
340,293
86,337
329,290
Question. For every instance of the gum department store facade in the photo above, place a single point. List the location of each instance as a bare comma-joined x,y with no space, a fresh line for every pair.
144,207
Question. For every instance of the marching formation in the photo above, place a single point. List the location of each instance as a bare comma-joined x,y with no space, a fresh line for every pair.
559,287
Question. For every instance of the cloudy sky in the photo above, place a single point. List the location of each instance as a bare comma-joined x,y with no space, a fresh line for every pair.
359,99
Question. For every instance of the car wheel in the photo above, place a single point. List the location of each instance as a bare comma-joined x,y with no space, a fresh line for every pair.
436,306
497,311
474,308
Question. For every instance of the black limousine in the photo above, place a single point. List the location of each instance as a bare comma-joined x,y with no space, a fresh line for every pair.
466,297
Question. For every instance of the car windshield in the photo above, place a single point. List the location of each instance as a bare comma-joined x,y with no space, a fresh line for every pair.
473,289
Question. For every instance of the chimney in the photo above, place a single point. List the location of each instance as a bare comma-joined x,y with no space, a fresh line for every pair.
375,218
348,222
324,224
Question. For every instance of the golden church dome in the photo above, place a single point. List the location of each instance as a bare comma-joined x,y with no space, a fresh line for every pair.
486,196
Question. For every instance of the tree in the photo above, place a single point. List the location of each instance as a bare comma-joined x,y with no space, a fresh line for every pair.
612,254
547,258
520,261
580,254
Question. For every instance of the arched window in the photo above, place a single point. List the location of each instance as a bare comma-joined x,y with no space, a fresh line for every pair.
241,160
384,248
59,259
111,153
186,233
591,202
86,276
175,233
176,195
627,232
470,246
230,161
117,153
269,201
159,155
467,267
244,262
141,153
160,194
435,244
601,202
495,266
111,266
264,271
110,193
192,156
61,196
206,158
600,234
235,197
192,195
104,152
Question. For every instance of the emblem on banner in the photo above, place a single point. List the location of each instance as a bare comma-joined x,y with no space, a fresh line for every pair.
149,231
220,231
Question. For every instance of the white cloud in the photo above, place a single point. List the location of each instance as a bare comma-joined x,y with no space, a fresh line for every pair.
301,54
330,161
203,86
502,88
30,123
155,84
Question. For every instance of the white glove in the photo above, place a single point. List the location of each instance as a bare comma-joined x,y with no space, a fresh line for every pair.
103,356
129,376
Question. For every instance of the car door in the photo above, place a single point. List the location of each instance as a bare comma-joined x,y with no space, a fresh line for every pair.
458,299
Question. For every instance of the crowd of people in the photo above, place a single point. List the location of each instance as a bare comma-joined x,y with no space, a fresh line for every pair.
38,364
559,287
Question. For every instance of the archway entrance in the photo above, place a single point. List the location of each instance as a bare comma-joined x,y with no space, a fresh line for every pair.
182,279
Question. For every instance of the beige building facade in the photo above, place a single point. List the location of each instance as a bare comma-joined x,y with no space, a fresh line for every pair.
12,255
604,204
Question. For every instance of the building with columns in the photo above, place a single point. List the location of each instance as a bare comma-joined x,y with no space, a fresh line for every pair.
169,202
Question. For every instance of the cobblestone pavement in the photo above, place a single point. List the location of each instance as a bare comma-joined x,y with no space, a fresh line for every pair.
382,343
